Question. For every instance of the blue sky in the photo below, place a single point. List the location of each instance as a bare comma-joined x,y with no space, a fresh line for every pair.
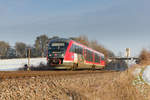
116,24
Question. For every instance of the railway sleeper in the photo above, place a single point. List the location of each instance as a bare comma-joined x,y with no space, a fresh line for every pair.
74,67
93,67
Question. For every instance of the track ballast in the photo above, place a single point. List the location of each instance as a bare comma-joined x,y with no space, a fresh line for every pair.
25,74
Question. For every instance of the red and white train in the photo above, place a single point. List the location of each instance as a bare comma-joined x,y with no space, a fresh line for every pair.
67,53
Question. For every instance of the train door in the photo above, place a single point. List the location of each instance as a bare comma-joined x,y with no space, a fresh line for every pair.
75,58
80,60
80,56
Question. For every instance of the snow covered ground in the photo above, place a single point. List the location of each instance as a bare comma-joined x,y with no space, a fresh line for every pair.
146,75
144,72
14,64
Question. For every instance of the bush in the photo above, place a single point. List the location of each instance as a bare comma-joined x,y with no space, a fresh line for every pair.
144,57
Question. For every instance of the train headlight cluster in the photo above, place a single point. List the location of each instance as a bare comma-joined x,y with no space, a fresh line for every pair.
62,55
72,56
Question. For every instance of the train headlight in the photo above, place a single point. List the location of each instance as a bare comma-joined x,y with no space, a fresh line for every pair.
72,56
62,55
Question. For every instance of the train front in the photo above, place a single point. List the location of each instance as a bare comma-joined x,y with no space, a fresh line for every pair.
56,51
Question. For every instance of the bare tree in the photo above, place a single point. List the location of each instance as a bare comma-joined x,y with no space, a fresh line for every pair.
4,49
144,57
81,39
11,53
41,44
98,47
21,49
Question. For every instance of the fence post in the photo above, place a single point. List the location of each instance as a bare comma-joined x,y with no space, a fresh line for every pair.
29,53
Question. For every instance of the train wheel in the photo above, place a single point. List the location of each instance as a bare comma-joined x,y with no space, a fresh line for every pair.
74,67
93,67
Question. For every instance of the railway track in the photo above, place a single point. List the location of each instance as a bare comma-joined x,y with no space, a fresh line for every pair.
26,74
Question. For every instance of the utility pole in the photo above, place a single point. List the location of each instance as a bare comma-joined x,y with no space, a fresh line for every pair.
127,55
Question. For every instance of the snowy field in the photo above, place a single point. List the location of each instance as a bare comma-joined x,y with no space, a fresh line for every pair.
14,64
146,75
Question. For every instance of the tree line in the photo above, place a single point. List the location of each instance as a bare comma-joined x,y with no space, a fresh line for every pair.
39,49
20,50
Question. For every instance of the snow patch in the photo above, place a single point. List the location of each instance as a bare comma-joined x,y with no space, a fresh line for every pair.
146,75
14,64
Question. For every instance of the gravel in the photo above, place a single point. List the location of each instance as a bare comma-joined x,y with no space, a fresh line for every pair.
74,87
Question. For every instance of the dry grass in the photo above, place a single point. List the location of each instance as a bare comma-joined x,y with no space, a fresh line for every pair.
124,89
120,88
111,86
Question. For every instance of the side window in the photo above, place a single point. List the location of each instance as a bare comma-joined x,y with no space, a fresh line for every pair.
84,53
76,49
97,58
81,50
89,55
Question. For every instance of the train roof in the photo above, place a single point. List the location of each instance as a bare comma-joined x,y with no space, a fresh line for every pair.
60,40
88,48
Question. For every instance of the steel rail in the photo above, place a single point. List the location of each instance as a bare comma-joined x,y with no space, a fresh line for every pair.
24,74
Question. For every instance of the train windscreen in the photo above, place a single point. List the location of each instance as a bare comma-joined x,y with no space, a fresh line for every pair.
58,47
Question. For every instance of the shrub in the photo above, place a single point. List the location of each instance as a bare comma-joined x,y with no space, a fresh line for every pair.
144,57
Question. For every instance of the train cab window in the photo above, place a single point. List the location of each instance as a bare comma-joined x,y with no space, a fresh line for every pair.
72,49
102,58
